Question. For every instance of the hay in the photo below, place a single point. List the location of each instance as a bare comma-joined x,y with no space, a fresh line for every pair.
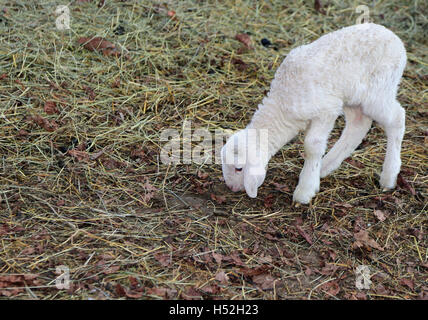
81,184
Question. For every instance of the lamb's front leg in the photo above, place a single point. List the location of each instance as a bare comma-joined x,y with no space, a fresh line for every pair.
315,146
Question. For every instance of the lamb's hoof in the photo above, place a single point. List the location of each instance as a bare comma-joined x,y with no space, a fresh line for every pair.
387,182
303,196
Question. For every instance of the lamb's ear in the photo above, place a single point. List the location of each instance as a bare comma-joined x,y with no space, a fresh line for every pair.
254,177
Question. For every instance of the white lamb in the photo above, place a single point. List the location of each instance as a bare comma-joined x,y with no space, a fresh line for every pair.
354,71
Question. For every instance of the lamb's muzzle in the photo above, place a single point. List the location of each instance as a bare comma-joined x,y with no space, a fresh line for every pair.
354,71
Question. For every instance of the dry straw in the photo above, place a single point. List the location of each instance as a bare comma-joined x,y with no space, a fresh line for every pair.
81,184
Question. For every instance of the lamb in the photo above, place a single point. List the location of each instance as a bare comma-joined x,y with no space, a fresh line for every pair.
353,71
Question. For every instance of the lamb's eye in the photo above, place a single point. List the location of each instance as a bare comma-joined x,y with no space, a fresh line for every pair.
238,169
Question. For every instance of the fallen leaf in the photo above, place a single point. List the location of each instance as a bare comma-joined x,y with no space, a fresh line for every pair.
45,123
318,7
212,289
28,251
111,269
355,163
268,201
217,198
165,293
191,294
304,234
222,277
23,133
407,282
331,288
164,258
241,65
133,281
80,156
329,270
280,187
380,215
50,107
250,272
13,284
217,257
96,155
90,92
361,296
149,191
362,239
244,39
120,291
134,294
99,44
235,258
380,289
402,182
266,281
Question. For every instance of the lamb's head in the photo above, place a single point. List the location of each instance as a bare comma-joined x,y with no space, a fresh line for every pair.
242,163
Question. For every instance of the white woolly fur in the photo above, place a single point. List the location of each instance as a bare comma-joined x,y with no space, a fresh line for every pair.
354,71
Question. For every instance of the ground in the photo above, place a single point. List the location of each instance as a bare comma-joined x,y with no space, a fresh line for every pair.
83,192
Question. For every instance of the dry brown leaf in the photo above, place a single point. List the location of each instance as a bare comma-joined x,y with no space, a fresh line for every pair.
331,288
217,257
402,182
280,187
80,156
266,281
99,44
268,201
407,282
244,39
165,293
222,277
211,289
111,270
240,65
15,283
120,291
380,215
217,198
50,107
304,234
318,7
362,239
45,123
164,259
191,294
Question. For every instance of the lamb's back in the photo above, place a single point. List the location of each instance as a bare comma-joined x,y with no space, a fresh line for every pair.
340,62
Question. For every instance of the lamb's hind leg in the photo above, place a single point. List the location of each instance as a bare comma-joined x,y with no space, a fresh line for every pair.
315,145
356,127
393,123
